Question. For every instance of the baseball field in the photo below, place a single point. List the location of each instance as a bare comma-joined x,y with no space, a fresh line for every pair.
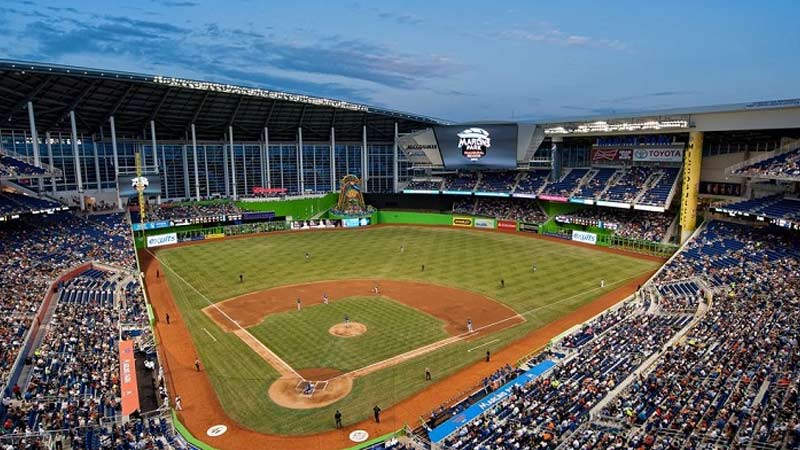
281,361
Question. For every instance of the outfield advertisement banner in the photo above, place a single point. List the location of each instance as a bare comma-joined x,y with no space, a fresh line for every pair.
162,239
658,154
462,221
600,154
484,223
554,198
507,224
585,237
129,391
530,227
453,424
137,226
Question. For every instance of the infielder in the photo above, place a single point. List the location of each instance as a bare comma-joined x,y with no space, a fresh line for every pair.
469,325
299,304
325,298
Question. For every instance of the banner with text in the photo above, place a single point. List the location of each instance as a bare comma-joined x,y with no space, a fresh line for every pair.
506,224
600,154
129,391
162,239
484,223
462,221
658,154
583,236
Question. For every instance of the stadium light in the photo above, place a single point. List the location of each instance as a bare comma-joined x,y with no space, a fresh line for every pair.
605,127
255,92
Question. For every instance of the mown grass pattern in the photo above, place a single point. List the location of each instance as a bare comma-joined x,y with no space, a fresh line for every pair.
566,278
301,338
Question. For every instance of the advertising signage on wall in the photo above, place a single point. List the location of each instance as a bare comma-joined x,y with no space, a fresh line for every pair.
462,221
658,154
484,146
611,154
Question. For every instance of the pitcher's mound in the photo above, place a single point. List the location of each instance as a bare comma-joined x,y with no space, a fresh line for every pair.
349,330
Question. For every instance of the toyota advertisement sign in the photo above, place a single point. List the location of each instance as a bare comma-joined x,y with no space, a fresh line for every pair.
484,146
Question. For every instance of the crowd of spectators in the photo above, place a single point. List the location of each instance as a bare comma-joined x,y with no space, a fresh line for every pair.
460,182
626,186
783,165
53,244
523,210
13,203
424,185
567,185
187,210
544,412
630,224
497,182
72,382
531,182
733,381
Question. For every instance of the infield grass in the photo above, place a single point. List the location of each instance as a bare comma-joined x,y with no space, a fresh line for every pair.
566,278
301,338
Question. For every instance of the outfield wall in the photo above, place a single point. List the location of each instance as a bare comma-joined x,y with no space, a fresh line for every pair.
417,218
297,209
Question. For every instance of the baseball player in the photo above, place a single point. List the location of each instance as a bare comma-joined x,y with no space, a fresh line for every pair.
469,325
346,321
375,289
299,304
602,283
325,298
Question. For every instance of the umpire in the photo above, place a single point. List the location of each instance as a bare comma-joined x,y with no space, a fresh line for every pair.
338,418
377,411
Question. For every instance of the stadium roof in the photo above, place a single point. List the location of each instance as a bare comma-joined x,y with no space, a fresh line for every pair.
175,103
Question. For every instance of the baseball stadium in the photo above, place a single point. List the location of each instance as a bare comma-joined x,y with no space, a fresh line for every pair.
198,265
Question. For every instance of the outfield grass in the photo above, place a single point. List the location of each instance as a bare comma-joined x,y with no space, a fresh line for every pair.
567,277
301,338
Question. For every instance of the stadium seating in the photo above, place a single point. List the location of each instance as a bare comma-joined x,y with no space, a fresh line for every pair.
11,167
786,165
523,210
461,182
13,203
194,210
658,193
641,225
626,186
732,382
423,185
530,183
497,182
772,206
567,185
595,186
73,380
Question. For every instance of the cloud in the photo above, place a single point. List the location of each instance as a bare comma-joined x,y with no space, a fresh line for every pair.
545,33
173,4
651,95
313,64
400,18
